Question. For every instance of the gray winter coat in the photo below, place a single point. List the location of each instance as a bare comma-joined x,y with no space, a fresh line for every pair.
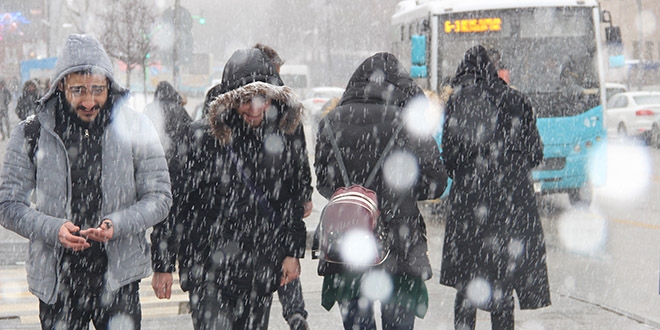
135,185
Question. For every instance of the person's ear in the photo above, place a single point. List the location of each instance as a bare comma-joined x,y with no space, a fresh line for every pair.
60,86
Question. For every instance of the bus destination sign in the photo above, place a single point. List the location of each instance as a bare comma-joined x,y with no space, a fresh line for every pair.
473,25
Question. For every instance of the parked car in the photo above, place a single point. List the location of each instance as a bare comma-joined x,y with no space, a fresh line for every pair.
634,114
612,89
317,97
297,77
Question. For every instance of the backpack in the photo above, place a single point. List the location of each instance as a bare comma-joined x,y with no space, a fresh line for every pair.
350,221
474,121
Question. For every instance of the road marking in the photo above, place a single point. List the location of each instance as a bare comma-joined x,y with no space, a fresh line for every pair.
637,224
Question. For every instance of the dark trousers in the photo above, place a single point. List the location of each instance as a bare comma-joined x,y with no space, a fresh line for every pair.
465,313
357,314
211,310
292,301
75,308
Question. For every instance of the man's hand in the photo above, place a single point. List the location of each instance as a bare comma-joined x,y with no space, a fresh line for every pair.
290,270
308,209
102,234
162,285
69,236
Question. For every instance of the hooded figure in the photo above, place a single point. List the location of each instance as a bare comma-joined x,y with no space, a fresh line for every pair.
239,200
493,236
172,123
365,119
27,102
100,180
5,99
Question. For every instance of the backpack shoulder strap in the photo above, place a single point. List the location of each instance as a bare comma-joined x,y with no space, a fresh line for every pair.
335,149
340,160
32,130
386,151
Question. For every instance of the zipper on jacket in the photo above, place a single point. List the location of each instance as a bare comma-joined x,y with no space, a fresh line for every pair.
86,133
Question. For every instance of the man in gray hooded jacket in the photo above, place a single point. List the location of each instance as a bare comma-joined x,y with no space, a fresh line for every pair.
100,179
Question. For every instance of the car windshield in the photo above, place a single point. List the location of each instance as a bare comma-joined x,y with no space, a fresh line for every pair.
647,99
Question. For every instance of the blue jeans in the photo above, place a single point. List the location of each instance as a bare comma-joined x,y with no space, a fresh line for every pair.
358,313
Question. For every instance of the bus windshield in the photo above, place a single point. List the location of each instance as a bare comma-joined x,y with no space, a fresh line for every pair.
547,53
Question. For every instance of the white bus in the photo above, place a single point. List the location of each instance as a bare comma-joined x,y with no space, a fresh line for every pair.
549,49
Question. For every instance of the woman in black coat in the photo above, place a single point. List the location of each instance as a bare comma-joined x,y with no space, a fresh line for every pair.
239,200
364,121
494,241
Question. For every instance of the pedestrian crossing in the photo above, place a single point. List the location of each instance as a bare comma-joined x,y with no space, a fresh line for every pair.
17,304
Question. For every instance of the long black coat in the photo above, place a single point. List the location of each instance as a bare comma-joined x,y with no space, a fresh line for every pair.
363,122
172,123
493,231
239,201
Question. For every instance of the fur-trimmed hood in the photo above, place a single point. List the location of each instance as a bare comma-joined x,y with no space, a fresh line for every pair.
248,73
289,113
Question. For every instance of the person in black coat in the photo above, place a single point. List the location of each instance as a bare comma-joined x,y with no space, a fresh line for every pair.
239,200
494,241
27,102
172,122
365,119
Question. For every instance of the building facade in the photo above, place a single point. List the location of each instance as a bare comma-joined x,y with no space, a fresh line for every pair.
639,21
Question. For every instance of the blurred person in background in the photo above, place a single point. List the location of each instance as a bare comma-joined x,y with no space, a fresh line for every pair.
172,122
5,99
27,102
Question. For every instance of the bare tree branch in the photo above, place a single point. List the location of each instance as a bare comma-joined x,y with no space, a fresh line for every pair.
127,32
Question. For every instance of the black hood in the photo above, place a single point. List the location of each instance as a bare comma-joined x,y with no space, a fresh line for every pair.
476,66
165,92
246,66
381,79
249,73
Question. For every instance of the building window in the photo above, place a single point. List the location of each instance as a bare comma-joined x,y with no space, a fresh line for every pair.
648,50
636,50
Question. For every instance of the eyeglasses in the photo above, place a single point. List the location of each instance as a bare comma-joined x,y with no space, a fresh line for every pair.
95,90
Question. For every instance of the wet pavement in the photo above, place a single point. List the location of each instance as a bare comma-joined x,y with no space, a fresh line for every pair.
19,309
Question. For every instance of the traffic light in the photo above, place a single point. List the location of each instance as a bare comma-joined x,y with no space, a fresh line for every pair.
199,19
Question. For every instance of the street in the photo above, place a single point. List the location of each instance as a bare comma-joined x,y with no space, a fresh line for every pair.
603,264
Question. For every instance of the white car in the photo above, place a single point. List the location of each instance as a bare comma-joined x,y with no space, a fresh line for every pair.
317,98
634,114
612,89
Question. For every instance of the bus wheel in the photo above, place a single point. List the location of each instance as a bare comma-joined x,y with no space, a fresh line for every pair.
580,196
